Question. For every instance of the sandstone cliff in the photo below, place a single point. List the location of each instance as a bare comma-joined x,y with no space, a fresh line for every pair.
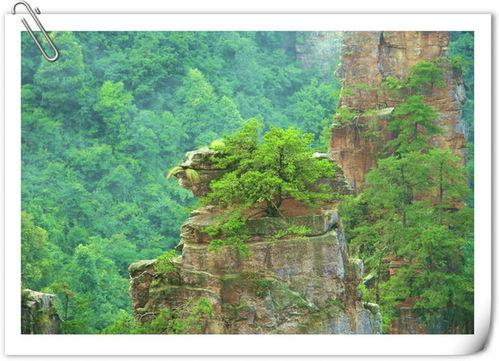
38,314
367,58
290,284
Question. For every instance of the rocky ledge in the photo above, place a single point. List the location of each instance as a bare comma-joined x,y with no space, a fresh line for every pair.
38,314
303,284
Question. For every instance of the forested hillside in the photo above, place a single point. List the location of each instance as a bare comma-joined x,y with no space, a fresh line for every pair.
102,124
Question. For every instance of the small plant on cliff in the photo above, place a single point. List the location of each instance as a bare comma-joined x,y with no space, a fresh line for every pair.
414,124
230,231
192,318
191,174
291,231
164,263
424,76
343,116
264,172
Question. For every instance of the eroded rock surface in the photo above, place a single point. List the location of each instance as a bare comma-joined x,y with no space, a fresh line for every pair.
38,313
293,284
367,58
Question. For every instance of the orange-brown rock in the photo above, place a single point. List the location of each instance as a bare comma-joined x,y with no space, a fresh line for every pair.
297,284
366,59
287,284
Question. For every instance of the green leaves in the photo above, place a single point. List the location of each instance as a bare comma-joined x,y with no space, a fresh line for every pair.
412,211
268,171
62,82
115,105
164,263
202,112
414,124
425,75
230,231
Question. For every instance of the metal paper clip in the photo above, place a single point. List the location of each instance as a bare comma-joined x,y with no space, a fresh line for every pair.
42,29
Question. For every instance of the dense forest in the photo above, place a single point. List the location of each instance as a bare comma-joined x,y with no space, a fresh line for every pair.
102,125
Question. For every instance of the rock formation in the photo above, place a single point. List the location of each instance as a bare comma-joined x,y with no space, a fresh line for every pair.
367,58
290,284
38,314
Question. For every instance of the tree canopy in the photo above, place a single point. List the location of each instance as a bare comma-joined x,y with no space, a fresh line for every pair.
102,123
280,165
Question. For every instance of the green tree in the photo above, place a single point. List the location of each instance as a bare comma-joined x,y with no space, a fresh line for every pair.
61,83
425,76
278,167
313,104
202,113
414,124
34,253
115,105
419,218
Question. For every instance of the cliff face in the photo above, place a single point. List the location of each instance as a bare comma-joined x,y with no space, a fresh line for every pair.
38,314
366,59
290,284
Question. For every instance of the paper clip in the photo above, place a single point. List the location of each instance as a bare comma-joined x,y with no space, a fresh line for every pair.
42,29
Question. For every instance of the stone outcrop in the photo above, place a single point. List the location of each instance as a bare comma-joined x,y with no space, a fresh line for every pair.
367,58
38,313
290,284
201,162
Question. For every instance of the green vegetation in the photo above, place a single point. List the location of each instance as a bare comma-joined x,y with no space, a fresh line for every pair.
165,262
420,221
192,318
262,173
267,171
461,49
101,125
425,76
231,231
413,124
344,116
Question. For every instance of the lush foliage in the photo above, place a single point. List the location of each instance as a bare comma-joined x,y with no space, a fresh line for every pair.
192,318
230,231
102,123
413,125
265,172
413,213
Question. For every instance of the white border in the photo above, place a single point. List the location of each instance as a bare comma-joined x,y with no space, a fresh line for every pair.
17,344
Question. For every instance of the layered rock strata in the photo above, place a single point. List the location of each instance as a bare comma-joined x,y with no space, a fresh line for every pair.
38,313
368,58
291,284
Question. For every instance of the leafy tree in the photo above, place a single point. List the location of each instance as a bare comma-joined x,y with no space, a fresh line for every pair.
115,105
280,166
424,76
34,253
414,124
311,105
421,220
203,111
61,83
